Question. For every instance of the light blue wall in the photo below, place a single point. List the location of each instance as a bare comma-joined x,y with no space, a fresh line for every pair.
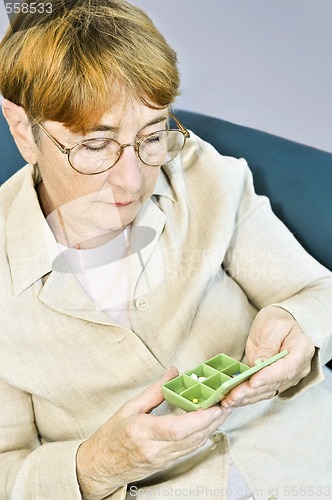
3,18
262,63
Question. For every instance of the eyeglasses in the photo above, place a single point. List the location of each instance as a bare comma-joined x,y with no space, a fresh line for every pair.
94,156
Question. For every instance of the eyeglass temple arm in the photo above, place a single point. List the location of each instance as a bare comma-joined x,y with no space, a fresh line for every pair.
181,127
61,147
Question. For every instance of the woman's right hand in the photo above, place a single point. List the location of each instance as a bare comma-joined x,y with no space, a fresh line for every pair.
134,444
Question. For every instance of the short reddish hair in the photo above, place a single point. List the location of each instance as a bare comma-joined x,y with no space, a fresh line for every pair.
72,64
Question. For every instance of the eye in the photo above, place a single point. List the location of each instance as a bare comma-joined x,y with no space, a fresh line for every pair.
95,145
96,149
152,139
156,137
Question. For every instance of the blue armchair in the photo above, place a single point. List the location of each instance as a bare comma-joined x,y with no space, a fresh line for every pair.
296,178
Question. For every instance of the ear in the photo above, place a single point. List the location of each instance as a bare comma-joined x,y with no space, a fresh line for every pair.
20,129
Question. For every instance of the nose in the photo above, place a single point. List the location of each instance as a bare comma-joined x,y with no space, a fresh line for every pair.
127,172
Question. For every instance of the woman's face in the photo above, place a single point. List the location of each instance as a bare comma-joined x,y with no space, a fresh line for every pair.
97,207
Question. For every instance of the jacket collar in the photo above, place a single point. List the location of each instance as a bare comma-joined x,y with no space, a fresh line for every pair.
163,186
32,248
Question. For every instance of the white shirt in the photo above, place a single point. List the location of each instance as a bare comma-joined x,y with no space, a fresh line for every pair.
105,274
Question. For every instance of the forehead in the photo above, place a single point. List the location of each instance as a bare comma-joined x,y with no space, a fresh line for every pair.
130,115
126,116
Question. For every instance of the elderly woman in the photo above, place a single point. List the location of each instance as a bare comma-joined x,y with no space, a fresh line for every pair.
131,249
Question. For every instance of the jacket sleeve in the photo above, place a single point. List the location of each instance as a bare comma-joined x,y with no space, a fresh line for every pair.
30,470
272,267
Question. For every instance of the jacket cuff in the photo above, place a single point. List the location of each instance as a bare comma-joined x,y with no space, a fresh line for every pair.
314,377
49,472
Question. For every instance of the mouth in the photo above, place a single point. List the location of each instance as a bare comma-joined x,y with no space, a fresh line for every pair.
115,203
122,203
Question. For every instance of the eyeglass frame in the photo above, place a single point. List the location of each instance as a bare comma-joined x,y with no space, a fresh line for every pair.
136,145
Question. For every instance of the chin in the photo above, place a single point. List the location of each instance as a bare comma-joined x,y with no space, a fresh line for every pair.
108,224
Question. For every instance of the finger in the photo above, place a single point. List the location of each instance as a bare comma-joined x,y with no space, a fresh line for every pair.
197,440
187,434
254,398
286,371
269,329
268,346
180,427
151,396
271,376
244,395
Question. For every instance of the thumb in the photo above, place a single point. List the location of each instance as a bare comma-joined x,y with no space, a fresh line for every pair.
261,353
261,348
152,396
268,331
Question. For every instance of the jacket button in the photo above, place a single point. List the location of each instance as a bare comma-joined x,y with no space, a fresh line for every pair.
142,303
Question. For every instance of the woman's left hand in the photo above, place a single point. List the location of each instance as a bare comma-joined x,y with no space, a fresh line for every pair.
273,330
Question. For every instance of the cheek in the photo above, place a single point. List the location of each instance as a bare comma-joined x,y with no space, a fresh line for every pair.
68,186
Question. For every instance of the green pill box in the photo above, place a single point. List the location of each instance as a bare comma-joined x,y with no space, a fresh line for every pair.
209,382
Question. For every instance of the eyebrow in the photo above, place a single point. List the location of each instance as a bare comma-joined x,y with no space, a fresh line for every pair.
108,128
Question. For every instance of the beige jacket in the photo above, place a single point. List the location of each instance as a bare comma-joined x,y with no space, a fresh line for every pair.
219,255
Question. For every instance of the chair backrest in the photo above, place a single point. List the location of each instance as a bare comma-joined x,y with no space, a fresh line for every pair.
10,158
296,178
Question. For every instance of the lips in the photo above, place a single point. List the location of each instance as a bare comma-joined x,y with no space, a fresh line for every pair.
115,203
122,203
